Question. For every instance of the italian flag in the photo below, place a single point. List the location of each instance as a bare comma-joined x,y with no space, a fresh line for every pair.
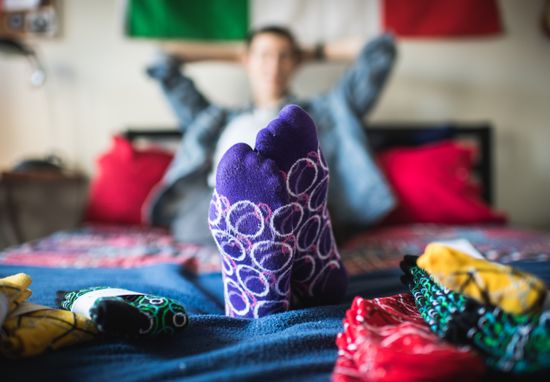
311,20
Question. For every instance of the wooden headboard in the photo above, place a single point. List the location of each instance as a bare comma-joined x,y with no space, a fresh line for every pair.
386,135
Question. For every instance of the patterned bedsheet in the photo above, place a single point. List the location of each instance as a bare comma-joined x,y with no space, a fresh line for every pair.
129,247
111,247
384,247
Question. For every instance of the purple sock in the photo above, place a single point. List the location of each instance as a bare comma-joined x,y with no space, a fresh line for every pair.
318,275
250,200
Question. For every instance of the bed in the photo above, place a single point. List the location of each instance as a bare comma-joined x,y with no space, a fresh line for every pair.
295,345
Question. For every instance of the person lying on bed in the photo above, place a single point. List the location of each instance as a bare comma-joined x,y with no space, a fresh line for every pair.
358,193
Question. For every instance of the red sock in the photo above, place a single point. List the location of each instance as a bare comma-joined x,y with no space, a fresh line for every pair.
387,339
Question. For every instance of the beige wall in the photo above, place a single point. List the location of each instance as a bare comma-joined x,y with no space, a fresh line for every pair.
96,87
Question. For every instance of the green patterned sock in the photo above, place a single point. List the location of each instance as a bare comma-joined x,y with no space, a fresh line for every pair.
123,313
509,342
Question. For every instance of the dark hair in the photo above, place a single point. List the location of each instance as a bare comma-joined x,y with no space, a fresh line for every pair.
279,31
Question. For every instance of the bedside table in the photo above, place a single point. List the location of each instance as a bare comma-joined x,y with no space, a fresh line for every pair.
36,204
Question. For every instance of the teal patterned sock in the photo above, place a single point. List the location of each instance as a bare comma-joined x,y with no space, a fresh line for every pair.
437,305
510,343
123,313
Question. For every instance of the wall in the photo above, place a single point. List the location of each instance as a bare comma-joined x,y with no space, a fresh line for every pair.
97,87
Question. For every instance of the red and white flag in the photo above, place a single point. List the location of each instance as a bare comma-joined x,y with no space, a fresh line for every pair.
323,20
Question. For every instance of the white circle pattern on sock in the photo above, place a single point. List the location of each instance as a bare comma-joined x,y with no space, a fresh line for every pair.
319,195
215,212
248,275
237,292
267,254
299,173
240,214
287,218
229,245
308,233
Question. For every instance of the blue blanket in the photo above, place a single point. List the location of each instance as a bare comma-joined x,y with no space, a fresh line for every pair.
296,345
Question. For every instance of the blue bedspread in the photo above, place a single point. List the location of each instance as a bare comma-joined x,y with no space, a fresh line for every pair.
296,345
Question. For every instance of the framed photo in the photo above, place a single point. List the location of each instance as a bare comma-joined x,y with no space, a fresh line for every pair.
29,18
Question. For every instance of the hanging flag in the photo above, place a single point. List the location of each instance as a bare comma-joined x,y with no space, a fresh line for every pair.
442,18
210,20
311,20
230,20
319,20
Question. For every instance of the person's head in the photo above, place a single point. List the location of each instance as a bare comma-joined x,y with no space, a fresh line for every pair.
271,58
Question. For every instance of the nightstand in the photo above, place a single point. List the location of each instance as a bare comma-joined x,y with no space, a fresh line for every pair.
36,204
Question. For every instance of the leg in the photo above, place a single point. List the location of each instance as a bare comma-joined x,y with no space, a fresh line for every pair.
248,209
318,276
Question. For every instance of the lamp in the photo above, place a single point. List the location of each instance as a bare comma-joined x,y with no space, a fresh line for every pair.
13,46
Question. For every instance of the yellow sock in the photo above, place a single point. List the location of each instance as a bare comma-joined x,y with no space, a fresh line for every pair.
33,329
13,290
29,329
487,282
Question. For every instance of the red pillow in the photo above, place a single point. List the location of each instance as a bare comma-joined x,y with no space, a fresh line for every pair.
125,177
433,185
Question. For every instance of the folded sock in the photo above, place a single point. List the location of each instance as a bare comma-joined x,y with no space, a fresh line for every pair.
509,342
32,329
13,291
318,276
484,281
385,339
436,304
124,313
29,329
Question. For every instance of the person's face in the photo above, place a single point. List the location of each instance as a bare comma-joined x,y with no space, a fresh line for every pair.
270,63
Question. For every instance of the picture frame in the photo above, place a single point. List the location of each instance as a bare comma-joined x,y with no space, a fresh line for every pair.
30,18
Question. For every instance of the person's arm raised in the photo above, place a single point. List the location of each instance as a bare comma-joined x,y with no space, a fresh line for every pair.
364,80
185,99
341,50
202,51
335,51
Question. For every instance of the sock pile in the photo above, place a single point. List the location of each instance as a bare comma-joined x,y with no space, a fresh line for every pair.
270,220
29,329
123,313
517,343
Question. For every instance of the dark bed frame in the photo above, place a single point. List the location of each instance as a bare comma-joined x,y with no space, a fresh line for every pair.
386,135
